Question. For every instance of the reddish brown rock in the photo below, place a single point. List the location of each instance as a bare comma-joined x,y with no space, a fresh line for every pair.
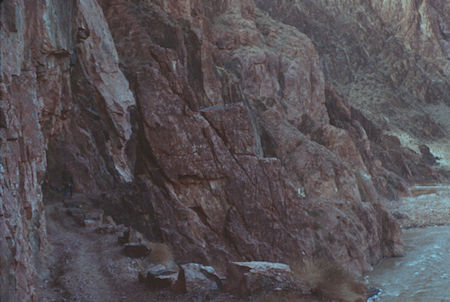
249,278
422,26
36,93
209,125
400,84
237,163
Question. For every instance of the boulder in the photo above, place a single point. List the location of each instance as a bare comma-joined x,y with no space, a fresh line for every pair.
158,276
249,278
136,250
194,277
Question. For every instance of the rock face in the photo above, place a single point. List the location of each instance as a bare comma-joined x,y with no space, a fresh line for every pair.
388,58
223,131
227,126
57,59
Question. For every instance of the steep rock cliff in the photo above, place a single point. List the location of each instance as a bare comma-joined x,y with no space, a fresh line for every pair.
388,58
208,125
227,115
49,74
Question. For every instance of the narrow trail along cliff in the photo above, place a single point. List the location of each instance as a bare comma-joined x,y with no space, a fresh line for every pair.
226,131
84,264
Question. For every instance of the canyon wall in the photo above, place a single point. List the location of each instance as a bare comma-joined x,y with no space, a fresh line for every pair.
231,130
390,59
49,74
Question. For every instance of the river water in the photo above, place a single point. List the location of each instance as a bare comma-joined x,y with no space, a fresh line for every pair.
423,274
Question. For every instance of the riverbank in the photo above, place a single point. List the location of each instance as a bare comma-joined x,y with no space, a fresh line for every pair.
423,273
424,205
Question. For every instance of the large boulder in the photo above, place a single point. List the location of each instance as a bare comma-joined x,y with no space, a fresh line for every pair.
194,277
249,278
158,276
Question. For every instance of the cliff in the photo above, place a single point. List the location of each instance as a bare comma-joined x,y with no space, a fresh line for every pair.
231,130
388,58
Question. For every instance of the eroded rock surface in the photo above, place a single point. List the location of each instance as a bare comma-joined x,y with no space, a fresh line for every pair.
231,130
390,59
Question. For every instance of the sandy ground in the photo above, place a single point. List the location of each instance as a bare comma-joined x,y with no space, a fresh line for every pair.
424,206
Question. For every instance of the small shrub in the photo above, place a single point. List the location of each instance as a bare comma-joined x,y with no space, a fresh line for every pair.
419,191
329,280
160,253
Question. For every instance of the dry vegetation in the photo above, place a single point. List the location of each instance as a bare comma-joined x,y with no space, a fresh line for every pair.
329,280
160,253
414,192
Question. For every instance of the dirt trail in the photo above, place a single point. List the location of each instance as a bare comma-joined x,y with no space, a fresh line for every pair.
87,266
85,273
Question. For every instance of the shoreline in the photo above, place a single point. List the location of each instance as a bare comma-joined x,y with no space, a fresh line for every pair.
425,205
